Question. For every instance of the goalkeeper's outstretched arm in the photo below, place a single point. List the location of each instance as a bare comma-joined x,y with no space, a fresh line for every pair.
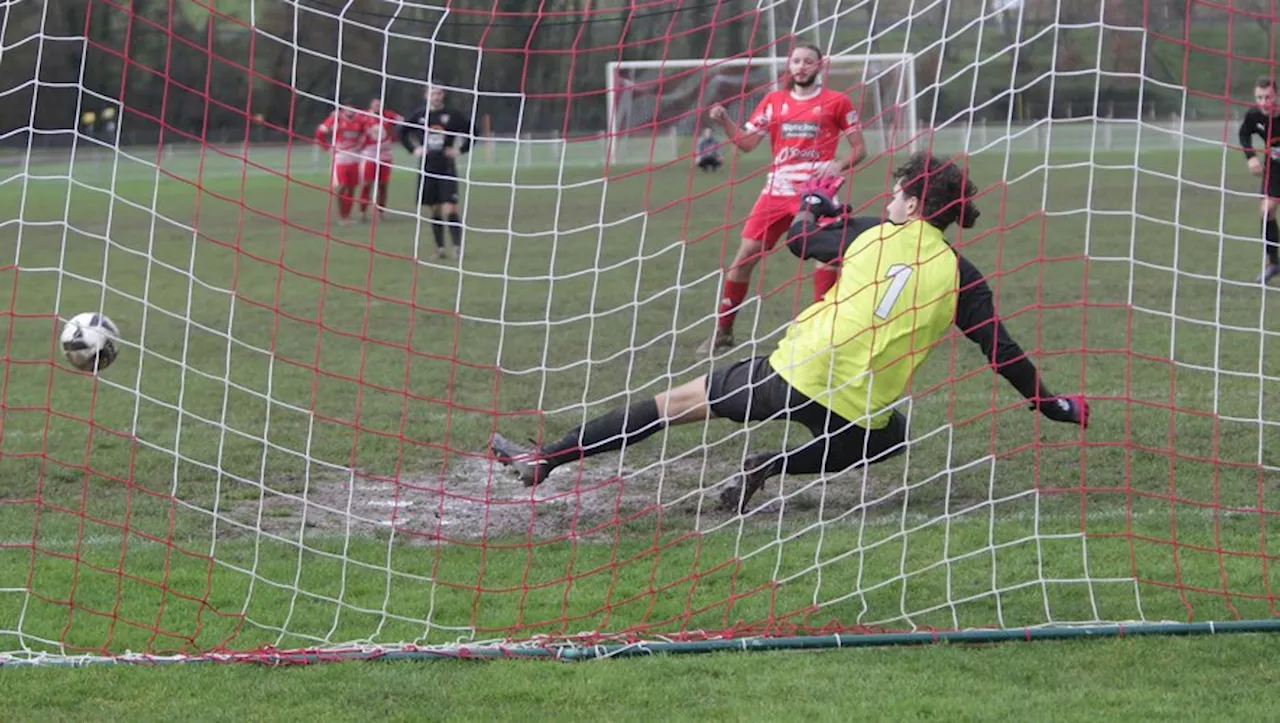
976,317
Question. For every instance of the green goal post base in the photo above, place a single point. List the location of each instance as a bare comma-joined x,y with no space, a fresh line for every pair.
574,651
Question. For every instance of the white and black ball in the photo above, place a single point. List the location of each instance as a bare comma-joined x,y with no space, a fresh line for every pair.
89,341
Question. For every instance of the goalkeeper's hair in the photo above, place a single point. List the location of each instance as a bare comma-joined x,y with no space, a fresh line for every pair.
942,187
1265,82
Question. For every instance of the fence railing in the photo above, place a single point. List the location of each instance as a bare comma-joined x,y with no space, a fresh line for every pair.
497,155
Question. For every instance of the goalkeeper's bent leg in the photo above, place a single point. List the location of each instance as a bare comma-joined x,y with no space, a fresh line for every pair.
837,445
842,447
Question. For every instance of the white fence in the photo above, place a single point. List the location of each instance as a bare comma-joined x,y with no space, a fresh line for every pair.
498,156
1085,135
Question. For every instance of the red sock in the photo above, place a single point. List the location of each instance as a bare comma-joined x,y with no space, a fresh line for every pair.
824,277
365,193
382,195
344,203
730,299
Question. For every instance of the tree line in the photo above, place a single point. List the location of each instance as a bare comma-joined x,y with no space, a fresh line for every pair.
202,67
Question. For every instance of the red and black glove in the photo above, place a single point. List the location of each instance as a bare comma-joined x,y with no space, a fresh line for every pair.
818,196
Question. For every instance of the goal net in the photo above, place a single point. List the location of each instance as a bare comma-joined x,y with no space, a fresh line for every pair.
290,458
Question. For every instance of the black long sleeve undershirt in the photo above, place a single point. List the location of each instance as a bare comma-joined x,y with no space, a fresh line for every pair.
976,315
977,319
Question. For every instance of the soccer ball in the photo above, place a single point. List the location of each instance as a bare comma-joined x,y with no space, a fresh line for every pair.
88,341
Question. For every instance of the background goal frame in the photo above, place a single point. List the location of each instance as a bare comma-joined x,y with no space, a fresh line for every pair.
904,136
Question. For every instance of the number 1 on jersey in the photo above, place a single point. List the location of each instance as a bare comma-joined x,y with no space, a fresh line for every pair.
899,273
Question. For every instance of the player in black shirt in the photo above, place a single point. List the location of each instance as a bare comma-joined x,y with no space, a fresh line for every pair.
1264,120
439,134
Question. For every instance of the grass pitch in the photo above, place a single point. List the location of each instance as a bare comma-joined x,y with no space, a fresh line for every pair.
295,403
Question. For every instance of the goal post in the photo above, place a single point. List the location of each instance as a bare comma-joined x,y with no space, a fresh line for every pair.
649,101
292,457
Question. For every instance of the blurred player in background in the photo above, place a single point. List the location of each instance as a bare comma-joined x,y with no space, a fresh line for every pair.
375,172
709,159
804,124
1263,120
845,361
344,134
439,134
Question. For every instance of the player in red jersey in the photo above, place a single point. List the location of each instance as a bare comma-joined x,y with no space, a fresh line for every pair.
804,124
345,134
384,130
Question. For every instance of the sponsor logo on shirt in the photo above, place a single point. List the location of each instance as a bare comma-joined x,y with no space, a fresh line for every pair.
435,138
788,154
799,129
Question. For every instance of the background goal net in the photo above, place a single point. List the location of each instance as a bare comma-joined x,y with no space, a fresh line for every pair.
290,453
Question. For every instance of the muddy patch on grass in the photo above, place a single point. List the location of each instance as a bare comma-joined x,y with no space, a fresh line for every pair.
475,499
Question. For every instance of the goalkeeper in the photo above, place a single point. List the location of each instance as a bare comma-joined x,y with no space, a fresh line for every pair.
844,362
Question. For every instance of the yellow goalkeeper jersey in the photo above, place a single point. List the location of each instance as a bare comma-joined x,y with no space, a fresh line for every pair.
855,350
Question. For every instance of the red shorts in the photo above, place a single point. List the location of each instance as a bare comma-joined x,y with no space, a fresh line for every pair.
770,218
372,170
346,174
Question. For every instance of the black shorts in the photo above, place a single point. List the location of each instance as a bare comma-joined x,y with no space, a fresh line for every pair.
752,390
1271,179
709,163
437,186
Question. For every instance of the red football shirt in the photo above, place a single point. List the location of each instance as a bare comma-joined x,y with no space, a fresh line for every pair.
382,134
344,133
804,134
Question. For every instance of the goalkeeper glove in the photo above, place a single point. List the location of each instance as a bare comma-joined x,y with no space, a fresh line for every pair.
1073,409
817,196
